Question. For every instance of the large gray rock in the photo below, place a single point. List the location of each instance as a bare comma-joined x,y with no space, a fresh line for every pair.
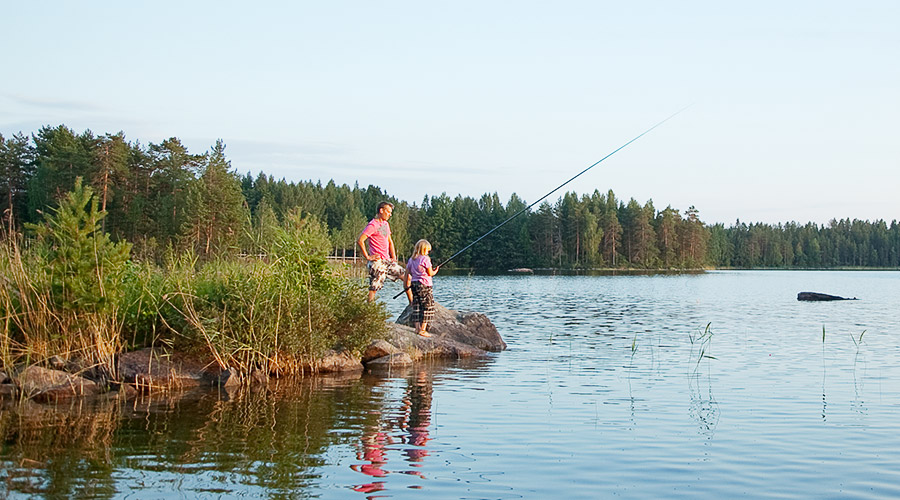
468,328
455,335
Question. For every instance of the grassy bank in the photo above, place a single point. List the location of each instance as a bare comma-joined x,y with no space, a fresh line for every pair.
66,290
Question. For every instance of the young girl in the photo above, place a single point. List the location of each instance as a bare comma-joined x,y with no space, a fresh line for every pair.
418,278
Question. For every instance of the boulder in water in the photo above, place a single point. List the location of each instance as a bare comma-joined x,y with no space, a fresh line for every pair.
454,335
469,328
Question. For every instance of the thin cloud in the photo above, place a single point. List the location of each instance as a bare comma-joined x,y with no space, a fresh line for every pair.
322,159
54,104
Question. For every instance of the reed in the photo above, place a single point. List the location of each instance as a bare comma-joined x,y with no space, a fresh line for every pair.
702,340
857,342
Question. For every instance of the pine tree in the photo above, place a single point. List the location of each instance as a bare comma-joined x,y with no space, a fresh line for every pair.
16,168
217,211
667,223
60,157
173,171
612,231
84,264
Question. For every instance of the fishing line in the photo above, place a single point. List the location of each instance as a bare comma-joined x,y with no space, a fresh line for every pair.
557,188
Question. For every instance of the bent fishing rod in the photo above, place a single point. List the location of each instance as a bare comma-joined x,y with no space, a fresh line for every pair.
557,188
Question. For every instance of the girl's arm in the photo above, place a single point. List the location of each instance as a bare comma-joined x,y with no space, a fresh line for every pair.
432,272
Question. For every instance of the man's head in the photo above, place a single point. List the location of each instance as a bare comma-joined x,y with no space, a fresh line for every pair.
385,209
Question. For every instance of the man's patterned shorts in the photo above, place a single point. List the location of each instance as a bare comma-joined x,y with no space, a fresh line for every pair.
381,269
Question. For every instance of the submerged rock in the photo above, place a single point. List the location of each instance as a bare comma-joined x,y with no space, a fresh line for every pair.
818,297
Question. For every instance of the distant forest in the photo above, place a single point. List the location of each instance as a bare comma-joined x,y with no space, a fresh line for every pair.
161,197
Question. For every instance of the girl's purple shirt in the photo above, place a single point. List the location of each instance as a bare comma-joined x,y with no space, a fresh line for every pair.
417,268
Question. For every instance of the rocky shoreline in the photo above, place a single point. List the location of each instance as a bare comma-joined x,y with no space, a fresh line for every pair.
455,335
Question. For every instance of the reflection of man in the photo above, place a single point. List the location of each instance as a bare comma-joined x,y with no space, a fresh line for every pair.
378,248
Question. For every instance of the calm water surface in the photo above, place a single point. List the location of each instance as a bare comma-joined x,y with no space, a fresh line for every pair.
613,386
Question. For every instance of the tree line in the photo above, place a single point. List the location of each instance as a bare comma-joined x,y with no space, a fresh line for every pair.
161,196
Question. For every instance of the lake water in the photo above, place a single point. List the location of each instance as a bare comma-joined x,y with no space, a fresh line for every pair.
686,386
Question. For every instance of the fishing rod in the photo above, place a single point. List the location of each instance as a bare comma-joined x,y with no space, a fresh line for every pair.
557,188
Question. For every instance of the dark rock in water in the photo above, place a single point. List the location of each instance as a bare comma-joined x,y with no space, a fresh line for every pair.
229,378
127,391
817,297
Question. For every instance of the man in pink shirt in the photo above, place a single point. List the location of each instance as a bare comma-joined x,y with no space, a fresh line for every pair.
380,253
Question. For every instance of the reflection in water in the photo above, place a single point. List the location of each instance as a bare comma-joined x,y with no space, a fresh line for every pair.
245,442
598,408
53,450
408,427
857,404
704,407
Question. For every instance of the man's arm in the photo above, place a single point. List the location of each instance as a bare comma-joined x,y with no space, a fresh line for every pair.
391,248
361,242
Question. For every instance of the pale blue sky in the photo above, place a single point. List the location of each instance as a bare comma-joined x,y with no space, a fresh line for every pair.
793,113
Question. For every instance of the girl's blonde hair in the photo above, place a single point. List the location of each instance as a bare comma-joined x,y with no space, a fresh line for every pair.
422,247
